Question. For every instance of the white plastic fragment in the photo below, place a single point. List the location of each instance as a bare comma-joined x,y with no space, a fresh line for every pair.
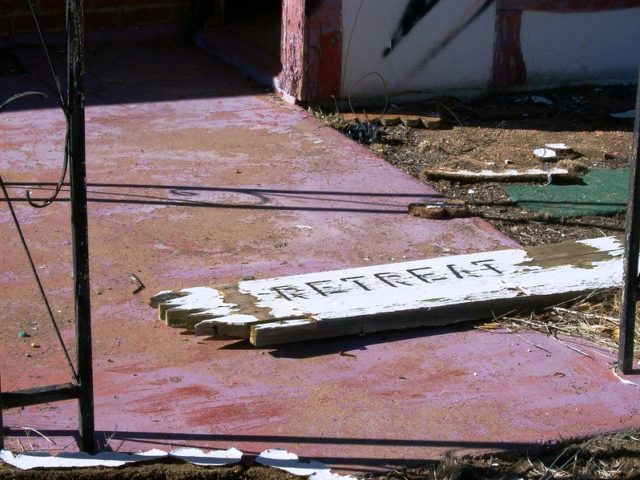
290,462
545,153
624,380
30,460
214,458
624,115
541,100
558,146
329,475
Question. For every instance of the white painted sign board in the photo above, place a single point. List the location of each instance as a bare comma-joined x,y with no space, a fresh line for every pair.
400,295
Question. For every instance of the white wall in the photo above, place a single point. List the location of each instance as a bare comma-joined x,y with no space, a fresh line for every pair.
465,62
581,47
558,49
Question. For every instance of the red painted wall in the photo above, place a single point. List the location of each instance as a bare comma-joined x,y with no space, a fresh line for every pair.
15,16
311,49
508,63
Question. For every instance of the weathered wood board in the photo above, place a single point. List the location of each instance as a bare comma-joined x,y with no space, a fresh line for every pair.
400,295
509,175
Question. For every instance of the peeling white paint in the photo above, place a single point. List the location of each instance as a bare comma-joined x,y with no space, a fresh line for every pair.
30,460
213,458
290,462
199,300
508,173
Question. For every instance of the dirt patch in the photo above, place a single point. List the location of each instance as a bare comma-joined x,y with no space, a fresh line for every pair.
501,132
607,457
169,469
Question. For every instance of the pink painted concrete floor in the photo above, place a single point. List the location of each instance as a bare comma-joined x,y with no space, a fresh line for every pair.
197,178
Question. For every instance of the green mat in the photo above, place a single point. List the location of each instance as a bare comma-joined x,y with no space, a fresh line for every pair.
605,192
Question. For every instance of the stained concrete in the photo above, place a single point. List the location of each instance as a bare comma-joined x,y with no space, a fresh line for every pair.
196,177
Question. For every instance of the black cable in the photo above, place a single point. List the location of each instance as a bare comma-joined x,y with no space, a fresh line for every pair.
56,79
62,103
37,277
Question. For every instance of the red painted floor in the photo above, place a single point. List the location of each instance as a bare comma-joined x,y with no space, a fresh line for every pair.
197,178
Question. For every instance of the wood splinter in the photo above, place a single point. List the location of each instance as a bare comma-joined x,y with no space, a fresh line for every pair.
439,210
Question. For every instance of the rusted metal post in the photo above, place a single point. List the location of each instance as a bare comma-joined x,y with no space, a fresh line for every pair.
79,230
632,246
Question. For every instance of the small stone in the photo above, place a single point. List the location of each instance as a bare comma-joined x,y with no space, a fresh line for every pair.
35,345
23,334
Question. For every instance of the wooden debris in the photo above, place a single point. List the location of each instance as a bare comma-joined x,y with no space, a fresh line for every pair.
135,280
435,291
509,175
439,210
391,119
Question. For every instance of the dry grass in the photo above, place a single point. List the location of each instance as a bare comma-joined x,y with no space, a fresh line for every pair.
595,317
608,457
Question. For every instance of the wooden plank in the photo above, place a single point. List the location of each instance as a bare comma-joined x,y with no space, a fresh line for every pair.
390,119
508,175
400,295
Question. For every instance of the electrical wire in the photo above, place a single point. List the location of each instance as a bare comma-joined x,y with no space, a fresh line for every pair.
63,105
37,277
366,75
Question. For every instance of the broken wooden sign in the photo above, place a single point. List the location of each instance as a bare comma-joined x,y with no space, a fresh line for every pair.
427,292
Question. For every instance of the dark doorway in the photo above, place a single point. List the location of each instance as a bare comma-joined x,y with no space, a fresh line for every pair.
246,34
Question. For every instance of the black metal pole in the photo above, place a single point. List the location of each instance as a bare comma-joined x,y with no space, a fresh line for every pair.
632,247
1,421
79,230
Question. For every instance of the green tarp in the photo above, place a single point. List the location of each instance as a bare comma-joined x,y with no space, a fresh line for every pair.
604,192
